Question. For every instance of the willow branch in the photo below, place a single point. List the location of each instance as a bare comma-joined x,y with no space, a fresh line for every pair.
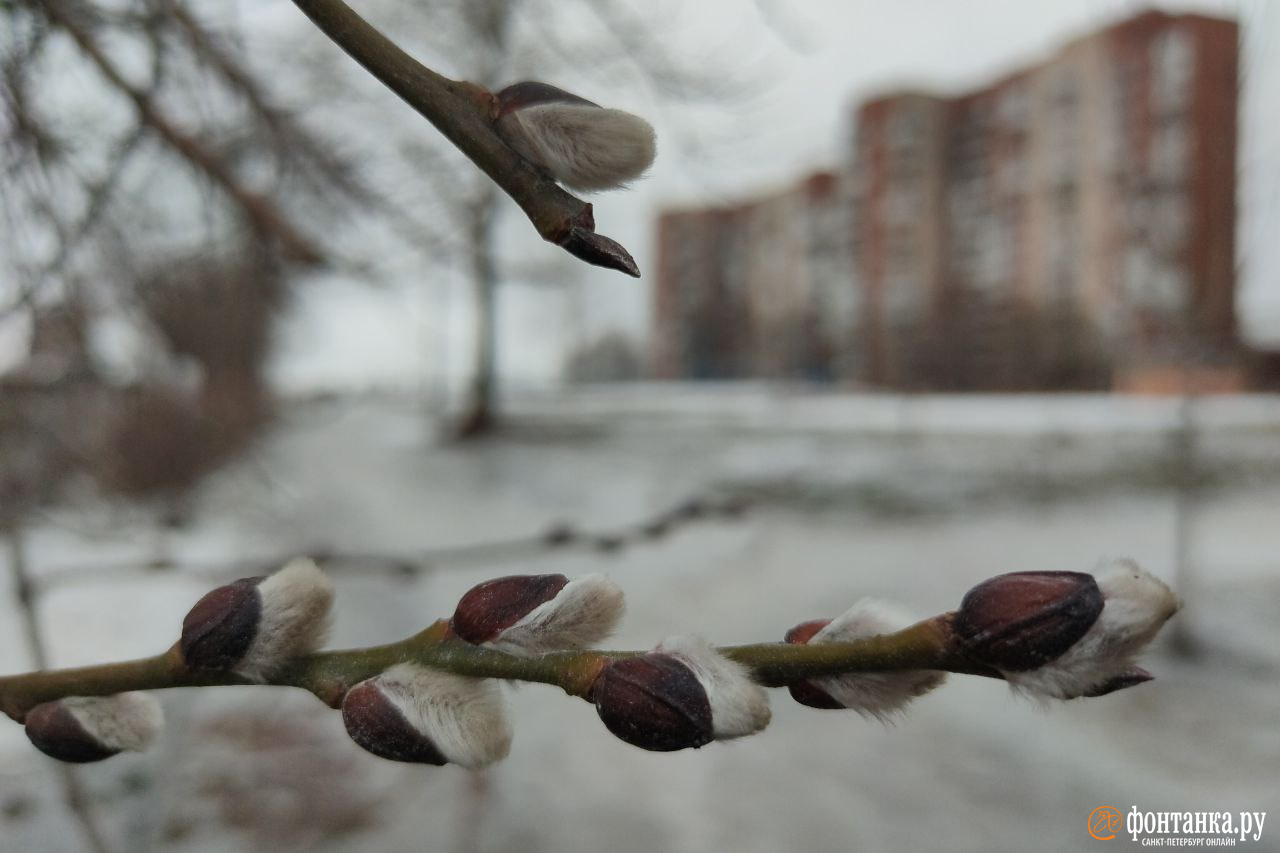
463,113
329,675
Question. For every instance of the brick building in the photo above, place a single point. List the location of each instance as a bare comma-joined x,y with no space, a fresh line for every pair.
1095,190
1070,225
759,289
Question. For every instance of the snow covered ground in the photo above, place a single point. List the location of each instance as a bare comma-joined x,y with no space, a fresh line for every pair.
910,499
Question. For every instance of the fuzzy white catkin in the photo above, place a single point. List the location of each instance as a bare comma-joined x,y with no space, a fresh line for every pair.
582,146
739,706
873,694
294,621
463,717
125,721
1135,605
584,612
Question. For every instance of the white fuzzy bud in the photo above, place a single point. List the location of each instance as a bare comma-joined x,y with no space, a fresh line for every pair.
126,721
1135,606
414,713
582,614
296,604
578,143
739,706
873,694
90,728
254,626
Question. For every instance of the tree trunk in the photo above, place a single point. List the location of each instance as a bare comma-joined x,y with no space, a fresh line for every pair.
479,417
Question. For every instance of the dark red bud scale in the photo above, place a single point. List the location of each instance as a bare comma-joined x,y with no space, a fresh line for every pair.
493,606
55,731
801,634
219,629
654,702
1023,620
377,725
531,93
806,692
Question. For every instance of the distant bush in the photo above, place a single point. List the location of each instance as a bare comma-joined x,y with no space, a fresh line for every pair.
159,441
610,358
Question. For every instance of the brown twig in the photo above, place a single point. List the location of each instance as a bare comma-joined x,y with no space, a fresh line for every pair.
463,113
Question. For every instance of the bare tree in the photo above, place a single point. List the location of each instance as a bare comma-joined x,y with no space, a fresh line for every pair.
126,193
256,166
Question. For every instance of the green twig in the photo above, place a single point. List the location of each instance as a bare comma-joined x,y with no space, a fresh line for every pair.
328,675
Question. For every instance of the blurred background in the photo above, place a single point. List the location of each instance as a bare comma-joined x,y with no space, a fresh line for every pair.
932,291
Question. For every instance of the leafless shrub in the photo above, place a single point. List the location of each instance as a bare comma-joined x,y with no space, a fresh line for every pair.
159,441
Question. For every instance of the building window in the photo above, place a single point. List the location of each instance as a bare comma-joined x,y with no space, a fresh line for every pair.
1064,86
1172,67
1011,109
1169,153
1168,223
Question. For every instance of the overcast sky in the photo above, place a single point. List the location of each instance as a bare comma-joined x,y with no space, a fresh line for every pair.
808,64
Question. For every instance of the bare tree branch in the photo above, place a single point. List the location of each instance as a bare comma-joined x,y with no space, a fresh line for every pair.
289,133
100,193
258,209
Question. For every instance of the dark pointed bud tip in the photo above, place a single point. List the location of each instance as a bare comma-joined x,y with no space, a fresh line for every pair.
377,725
599,250
1023,620
530,93
219,629
1131,677
806,692
493,606
54,730
654,702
